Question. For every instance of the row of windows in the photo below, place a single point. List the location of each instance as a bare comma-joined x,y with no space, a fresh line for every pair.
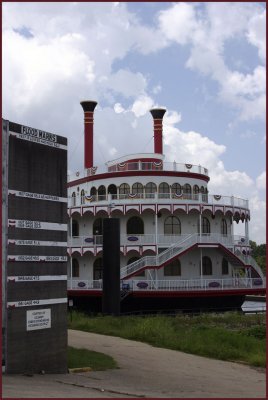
135,226
138,189
172,269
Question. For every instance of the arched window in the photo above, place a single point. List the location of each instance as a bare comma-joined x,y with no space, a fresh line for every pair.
205,226
112,189
164,191
224,267
150,190
102,193
75,268
133,259
202,189
135,226
98,269
137,188
93,192
172,226
187,190
206,266
82,194
98,226
124,190
196,189
224,227
73,199
176,188
75,228
173,269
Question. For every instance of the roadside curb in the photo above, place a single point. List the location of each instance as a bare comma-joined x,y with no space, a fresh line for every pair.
75,370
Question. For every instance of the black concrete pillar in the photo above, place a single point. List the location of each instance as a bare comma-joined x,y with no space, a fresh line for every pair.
111,267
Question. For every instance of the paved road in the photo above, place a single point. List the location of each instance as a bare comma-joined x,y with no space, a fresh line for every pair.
145,371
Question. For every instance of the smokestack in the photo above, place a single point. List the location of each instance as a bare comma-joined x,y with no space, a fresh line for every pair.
158,114
88,107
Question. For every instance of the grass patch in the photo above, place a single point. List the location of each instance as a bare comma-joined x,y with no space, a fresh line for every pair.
82,358
229,336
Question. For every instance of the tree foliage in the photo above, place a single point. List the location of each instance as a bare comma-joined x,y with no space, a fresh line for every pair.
259,253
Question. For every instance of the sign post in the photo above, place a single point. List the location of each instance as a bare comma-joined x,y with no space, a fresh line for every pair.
34,260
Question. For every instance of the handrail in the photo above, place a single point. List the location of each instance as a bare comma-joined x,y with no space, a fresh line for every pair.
138,166
155,261
179,284
150,239
200,198
178,248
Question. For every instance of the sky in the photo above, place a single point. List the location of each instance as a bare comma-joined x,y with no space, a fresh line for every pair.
204,62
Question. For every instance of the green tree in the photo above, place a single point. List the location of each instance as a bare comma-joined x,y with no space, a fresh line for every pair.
259,253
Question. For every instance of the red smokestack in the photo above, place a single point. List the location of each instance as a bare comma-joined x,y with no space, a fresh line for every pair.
88,107
158,114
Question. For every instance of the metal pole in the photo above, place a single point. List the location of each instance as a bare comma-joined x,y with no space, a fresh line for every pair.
71,259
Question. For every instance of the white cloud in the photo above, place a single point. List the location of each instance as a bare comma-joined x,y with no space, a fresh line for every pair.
261,181
118,108
178,22
257,33
206,32
127,83
142,105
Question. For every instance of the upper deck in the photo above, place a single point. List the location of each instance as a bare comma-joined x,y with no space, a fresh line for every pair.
138,164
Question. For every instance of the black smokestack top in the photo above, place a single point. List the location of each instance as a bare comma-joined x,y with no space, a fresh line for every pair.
158,113
88,105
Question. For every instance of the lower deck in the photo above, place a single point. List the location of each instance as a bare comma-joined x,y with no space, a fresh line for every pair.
167,300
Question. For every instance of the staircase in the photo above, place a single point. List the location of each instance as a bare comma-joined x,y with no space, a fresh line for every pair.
183,246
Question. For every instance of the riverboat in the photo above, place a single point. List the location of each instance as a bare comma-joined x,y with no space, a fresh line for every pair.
178,250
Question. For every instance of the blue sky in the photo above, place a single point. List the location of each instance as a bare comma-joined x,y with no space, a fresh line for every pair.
204,62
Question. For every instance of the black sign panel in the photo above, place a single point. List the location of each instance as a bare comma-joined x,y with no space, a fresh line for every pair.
36,259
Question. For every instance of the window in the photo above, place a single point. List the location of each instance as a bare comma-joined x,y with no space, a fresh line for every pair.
176,188
124,189
73,199
150,190
164,190
196,189
82,196
173,269
205,226
172,226
112,190
137,188
98,226
224,267
93,192
102,193
187,189
224,227
97,269
135,226
75,268
133,259
75,228
206,266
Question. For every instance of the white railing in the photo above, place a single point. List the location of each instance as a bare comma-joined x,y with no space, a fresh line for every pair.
177,249
158,260
173,285
247,259
151,239
117,199
138,166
